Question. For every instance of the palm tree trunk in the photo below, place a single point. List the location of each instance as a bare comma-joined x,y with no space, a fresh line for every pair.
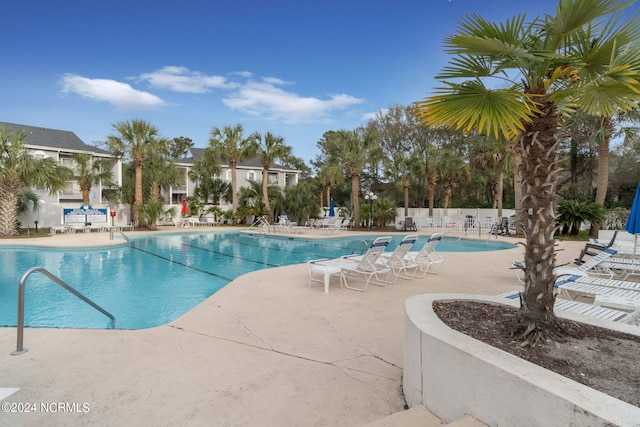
234,195
603,169
328,189
138,190
500,191
85,195
406,197
540,169
8,207
355,183
265,186
432,192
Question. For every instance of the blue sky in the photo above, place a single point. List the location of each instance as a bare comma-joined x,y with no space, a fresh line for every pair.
293,68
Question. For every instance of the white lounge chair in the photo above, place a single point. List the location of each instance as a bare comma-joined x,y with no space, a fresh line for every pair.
594,266
571,288
367,265
427,256
399,261
584,309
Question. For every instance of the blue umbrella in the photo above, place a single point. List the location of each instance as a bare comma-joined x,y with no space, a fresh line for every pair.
332,211
633,223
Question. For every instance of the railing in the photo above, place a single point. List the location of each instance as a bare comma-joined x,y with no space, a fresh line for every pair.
23,281
358,245
113,231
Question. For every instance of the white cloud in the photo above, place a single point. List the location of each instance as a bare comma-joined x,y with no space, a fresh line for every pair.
266,98
370,116
120,95
181,79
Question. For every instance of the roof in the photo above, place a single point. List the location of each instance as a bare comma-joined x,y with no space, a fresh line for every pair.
254,162
53,138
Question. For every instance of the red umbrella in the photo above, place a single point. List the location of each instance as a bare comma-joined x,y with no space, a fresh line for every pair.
185,209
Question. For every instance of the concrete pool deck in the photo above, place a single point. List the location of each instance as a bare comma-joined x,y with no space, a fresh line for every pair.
265,350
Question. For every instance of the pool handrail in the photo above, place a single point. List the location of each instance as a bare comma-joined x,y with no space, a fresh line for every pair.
114,230
23,281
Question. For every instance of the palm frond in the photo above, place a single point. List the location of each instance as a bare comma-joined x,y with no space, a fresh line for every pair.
472,106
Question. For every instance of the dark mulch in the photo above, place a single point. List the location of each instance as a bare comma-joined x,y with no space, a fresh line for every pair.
600,358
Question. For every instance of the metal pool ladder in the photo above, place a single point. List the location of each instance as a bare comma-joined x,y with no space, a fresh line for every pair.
23,281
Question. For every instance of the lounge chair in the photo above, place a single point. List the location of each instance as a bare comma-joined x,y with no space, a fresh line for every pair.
584,309
367,265
594,266
572,287
590,247
332,224
427,256
399,261
409,225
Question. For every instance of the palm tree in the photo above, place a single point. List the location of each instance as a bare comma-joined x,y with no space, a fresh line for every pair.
229,144
350,151
19,170
91,172
580,55
493,154
270,148
137,140
453,170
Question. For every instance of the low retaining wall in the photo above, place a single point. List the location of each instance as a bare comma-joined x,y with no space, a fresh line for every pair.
454,375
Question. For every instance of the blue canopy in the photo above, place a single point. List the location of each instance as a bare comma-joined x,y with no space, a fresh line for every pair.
633,223
332,210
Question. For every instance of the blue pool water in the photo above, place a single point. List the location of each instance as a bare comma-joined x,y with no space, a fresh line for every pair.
157,278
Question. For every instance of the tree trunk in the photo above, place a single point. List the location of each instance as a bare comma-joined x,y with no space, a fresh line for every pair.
138,190
433,178
85,195
405,186
355,183
540,169
8,206
603,169
234,195
265,187
500,191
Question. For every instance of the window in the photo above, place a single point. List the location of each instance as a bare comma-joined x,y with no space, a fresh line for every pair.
251,175
38,154
273,178
228,175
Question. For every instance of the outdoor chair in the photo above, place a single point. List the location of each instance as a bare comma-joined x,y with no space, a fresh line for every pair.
399,261
367,266
409,225
427,256
587,250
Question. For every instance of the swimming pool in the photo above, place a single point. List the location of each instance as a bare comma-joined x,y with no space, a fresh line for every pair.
157,277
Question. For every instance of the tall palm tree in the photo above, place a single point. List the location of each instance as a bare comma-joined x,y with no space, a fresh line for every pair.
350,151
270,148
545,63
19,170
230,145
90,172
493,154
137,140
453,170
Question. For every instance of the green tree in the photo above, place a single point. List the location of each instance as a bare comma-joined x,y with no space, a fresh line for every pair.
90,172
351,151
230,145
493,154
19,170
270,148
542,65
137,140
